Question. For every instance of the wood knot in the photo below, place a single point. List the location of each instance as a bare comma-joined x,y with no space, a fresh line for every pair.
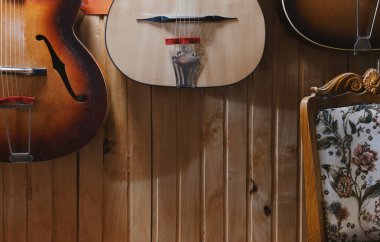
267,210
107,146
254,187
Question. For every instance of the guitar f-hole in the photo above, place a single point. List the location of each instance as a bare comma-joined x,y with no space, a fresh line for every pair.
59,66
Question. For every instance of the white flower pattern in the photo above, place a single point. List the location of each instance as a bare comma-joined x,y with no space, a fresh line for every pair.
348,140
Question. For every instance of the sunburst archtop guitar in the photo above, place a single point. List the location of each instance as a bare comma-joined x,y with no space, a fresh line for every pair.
185,43
351,25
52,93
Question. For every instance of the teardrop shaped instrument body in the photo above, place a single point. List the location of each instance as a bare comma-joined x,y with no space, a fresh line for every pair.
52,93
228,50
335,24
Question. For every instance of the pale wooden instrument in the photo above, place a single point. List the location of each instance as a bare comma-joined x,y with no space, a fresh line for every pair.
229,50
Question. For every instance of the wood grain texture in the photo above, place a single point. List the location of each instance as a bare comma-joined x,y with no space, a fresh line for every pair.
310,76
90,200
166,202
39,202
15,203
213,192
65,199
189,157
313,230
140,150
236,163
116,160
159,169
2,203
285,107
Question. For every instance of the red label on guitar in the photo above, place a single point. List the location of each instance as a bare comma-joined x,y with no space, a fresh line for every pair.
182,41
96,7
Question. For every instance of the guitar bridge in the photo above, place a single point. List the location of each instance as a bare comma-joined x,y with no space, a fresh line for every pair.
23,71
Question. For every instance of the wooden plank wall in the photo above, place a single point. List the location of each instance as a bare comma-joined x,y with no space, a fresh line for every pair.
181,165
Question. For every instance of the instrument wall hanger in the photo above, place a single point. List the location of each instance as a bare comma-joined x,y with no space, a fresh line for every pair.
96,7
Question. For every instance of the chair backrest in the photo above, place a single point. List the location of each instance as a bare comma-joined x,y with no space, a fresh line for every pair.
340,129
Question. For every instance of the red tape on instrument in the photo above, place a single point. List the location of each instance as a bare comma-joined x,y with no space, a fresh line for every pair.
96,7
182,41
17,100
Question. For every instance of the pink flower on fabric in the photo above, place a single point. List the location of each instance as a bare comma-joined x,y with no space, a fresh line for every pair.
364,157
344,186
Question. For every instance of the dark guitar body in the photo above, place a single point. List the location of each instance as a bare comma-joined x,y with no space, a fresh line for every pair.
70,100
332,24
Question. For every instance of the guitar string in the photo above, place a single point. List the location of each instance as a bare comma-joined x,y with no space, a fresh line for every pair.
1,46
180,23
24,59
196,18
198,24
6,45
12,49
14,42
22,24
20,39
187,19
17,49
193,18
17,43
177,22
10,46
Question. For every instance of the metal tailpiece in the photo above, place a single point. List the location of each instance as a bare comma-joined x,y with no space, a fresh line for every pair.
186,65
18,157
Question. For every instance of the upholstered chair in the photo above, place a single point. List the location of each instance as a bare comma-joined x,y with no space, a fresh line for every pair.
340,128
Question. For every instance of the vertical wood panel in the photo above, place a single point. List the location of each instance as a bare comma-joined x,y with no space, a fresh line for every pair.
362,61
90,204
15,204
189,147
91,33
260,168
312,72
65,226
212,165
286,103
116,161
139,137
40,202
236,162
1,203
260,157
166,201
337,63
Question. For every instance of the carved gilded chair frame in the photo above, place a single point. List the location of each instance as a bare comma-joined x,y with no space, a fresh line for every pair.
344,90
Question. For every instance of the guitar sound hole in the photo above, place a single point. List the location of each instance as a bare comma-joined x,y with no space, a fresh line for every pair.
59,66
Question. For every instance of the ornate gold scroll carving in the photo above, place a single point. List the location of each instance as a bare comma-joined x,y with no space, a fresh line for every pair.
351,82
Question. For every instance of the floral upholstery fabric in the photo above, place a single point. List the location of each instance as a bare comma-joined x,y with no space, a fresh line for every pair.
348,141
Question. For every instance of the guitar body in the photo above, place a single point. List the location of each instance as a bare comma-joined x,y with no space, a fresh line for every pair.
38,34
333,24
228,50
